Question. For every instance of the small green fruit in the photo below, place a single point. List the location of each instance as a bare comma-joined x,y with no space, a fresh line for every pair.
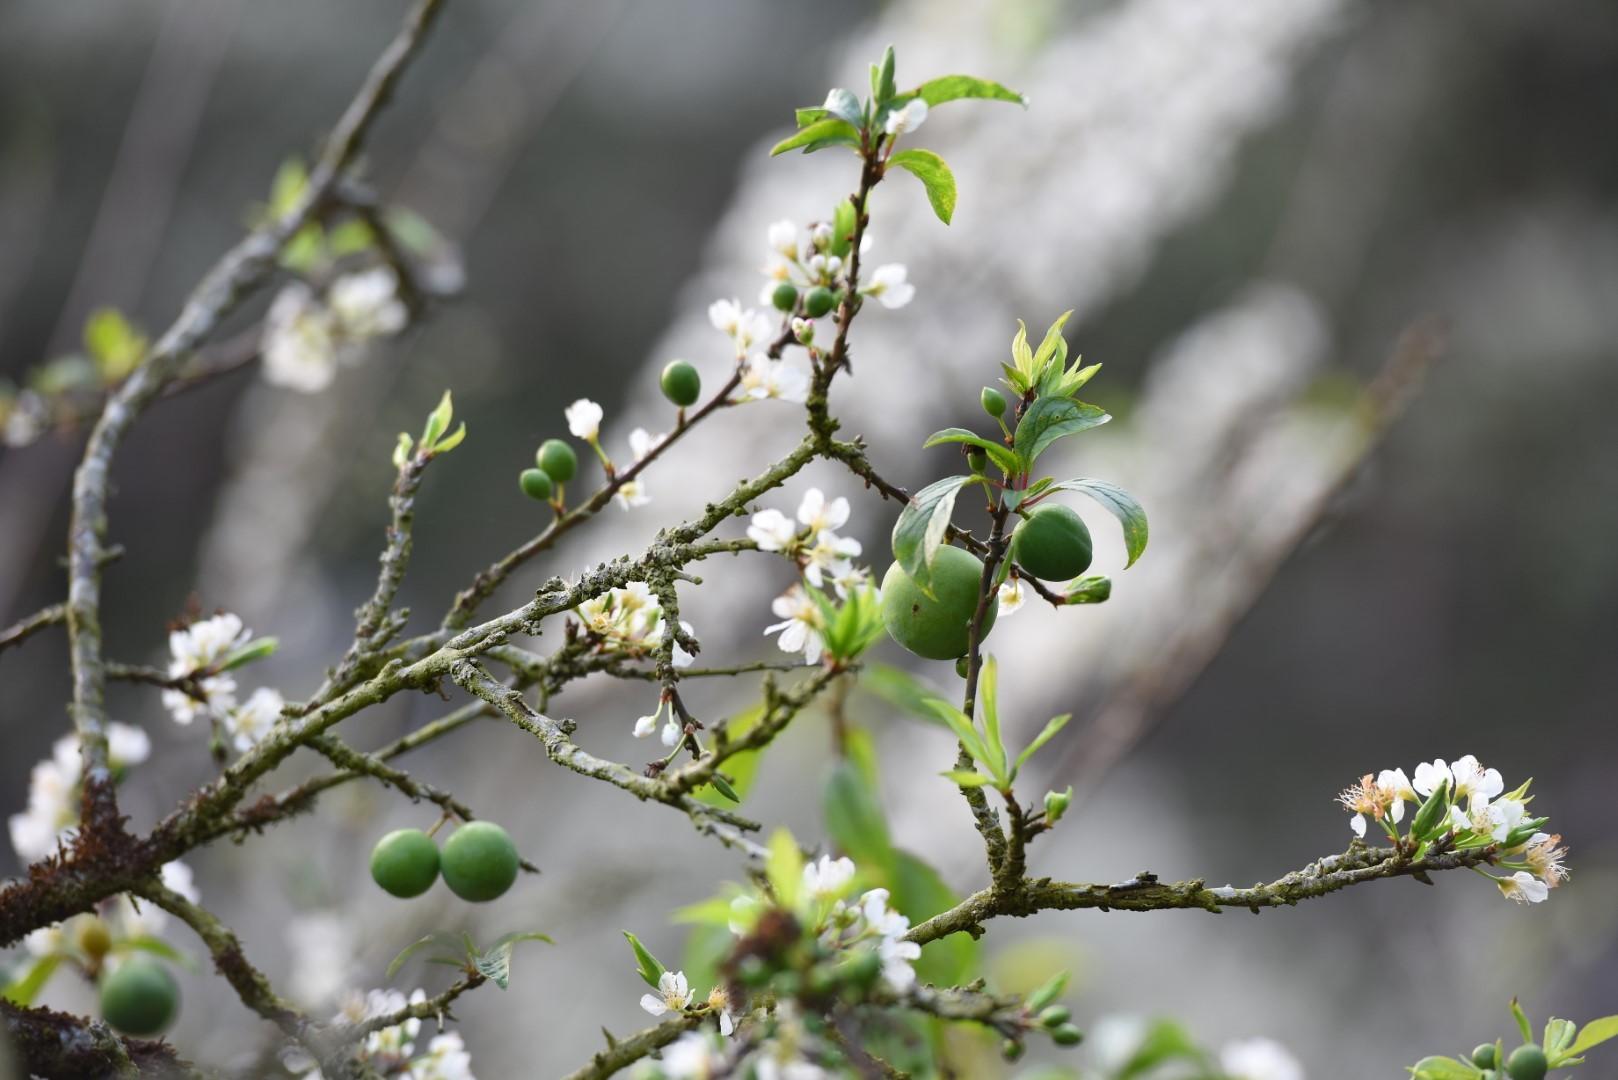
558,460
95,938
785,296
1067,1035
405,862
977,460
140,997
1011,1049
681,383
1485,1056
994,402
962,668
479,861
1052,543
1054,1016
1527,1062
936,627
535,484
819,301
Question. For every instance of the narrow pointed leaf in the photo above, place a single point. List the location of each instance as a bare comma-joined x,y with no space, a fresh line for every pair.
967,778
988,693
1057,723
647,965
955,87
820,133
1595,1033
964,731
441,938
934,175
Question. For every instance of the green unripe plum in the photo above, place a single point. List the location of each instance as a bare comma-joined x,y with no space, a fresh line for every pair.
785,296
1054,1016
1052,543
1066,1035
1011,1049
479,861
962,668
818,301
536,484
558,460
1484,1056
977,460
681,383
994,402
1527,1062
140,997
936,627
405,862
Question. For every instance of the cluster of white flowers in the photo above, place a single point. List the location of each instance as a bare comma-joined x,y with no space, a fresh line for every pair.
53,790
199,652
307,335
674,995
392,1050
823,556
1488,817
808,262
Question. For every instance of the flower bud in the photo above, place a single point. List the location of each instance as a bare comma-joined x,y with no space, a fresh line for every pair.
785,296
994,402
1053,1016
1432,814
821,236
1056,804
95,938
1011,1049
1486,1056
1067,1035
803,330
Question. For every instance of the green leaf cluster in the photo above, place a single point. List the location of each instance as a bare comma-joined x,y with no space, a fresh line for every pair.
1563,1042
988,747
433,440
458,950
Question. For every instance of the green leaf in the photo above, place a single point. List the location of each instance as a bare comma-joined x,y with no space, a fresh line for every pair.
1022,357
783,866
854,817
998,452
1013,499
1052,351
1523,1025
438,422
805,117
1444,1068
1052,418
919,532
350,238
1558,1035
1095,589
934,175
900,689
450,442
967,778
646,965
742,768
24,990
1164,1041
844,105
919,894
955,87
1431,816
961,725
439,938
287,187
257,649
1595,1033
844,220
882,85
116,345
721,785
157,947
1123,505
827,132
402,450
495,963
1046,734
988,694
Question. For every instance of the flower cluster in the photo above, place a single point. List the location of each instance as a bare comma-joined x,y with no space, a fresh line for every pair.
823,557
53,790
203,654
307,335
1463,805
392,1051
584,422
806,263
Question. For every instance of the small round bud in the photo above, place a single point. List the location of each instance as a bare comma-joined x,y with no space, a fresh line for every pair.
1527,1062
681,383
140,997
803,330
405,862
818,301
994,402
1054,1016
962,667
479,861
94,938
535,484
1011,1049
1056,804
558,460
1066,1035
785,296
1485,1056
977,460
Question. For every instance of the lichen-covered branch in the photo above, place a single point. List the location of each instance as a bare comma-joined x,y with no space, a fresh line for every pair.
25,628
45,1042
625,1052
1145,892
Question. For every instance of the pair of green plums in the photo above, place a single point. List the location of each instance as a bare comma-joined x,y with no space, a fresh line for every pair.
479,862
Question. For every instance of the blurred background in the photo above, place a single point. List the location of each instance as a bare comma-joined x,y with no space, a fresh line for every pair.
1248,205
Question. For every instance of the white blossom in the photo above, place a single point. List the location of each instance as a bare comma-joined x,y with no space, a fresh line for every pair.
53,790
850,578
800,625
299,341
772,530
1012,596
744,326
764,378
888,285
446,1059
816,513
909,118
1544,857
783,237
673,994
1259,1059
1430,775
367,305
198,649
896,953
826,878
830,556
249,722
693,1056
1523,888
584,419
1474,781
